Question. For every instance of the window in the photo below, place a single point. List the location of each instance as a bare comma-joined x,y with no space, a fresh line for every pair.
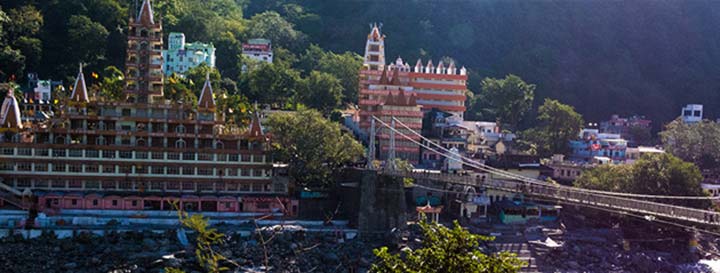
114,203
180,144
158,155
245,158
697,113
126,113
125,154
74,202
173,170
205,157
126,169
222,157
245,172
41,167
59,153
92,168
188,186
180,129
24,151
92,184
158,170
58,167
95,202
205,171
172,156
188,156
233,158
75,168
41,152
75,153
108,168
24,166
134,203
108,154
244,187
188,171
92,153
141,155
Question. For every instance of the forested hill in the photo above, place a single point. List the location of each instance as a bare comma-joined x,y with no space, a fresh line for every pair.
603,57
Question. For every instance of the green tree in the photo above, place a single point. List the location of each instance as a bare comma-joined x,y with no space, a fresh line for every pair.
321,91
656,174
510,98
196,78
112,85
309,60
694,142
177,89
272,83
345,67
84,36
314,147
559,123
270,25
446,250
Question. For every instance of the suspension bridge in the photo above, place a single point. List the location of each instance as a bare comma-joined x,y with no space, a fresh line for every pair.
638,205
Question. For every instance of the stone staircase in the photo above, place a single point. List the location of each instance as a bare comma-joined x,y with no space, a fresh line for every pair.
512,239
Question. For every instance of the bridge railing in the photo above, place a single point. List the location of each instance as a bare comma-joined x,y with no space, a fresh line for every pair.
574,195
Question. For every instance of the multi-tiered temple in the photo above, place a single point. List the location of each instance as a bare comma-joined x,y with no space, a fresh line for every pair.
132,156
430,87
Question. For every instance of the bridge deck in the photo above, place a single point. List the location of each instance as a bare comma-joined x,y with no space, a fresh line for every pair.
574,195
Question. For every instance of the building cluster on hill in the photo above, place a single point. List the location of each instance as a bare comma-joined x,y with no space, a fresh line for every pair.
142,154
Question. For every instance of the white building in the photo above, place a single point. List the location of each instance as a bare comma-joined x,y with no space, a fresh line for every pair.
259,50
181,56
692,113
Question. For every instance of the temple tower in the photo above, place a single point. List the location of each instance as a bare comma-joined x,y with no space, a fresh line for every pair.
143,66
374,50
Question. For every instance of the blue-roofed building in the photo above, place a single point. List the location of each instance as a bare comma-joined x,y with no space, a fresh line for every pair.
181,56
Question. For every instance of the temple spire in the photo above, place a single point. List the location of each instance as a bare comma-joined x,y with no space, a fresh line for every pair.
396,76
10,112
80,89
146,14
207,101
384,77
255,126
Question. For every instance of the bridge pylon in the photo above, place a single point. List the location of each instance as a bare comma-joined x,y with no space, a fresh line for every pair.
371,145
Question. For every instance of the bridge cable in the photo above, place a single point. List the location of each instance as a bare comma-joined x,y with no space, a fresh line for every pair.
472,163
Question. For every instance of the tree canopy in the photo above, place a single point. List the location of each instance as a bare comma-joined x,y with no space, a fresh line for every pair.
507,100
656,174
558,124
446,250
694,142
314,147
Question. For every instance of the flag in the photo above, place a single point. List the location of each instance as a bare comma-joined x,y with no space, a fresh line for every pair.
595,147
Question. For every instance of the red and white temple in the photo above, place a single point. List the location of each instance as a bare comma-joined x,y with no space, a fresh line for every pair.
441,87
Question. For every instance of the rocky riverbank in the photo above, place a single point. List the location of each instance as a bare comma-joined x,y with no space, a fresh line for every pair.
152,252
576,243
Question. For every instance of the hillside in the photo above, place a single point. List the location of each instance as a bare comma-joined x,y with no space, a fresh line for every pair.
603,57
